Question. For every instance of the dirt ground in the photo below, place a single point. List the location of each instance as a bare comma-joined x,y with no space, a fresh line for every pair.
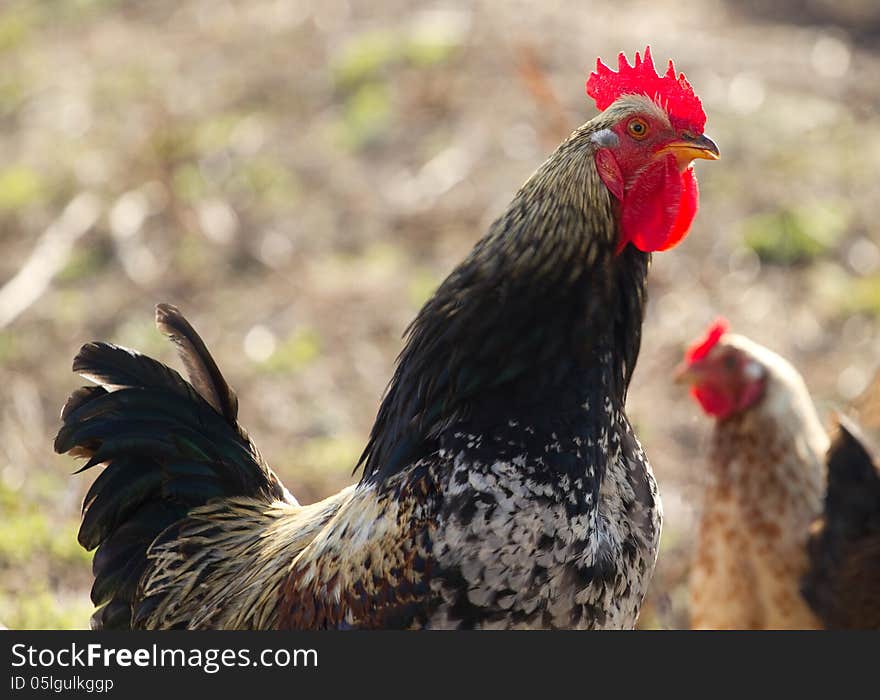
299,175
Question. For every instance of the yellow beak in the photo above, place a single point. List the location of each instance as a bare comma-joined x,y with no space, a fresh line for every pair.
687,373
688,149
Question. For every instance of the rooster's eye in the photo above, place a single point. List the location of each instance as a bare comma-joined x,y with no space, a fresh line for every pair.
637,128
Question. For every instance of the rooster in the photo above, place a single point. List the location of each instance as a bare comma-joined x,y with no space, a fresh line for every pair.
842,583
502,484
765,484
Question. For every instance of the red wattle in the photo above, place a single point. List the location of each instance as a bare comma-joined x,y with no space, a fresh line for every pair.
687,209
714,402
659,206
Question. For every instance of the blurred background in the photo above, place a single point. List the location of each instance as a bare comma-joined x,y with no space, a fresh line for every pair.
298,176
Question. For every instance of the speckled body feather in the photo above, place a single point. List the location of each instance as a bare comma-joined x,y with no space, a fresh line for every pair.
503,485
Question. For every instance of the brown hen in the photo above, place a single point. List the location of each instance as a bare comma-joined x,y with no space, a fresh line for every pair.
765,481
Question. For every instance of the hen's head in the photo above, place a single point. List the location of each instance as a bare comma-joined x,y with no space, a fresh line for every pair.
727,374
649,132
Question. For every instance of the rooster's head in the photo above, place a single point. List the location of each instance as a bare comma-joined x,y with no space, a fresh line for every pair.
651,131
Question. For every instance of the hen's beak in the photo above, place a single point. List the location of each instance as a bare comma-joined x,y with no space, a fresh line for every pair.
690,148
687,372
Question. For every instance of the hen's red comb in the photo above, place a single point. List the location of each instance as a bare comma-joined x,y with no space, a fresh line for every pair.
673,93
701,348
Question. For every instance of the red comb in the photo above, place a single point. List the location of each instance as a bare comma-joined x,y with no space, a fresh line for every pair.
673,93
701,348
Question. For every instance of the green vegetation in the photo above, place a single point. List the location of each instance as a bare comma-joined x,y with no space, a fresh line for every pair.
271,183
188,182
361,72
366,57
795,235
14,28
335,454
25,536
19,187
40,609
296,353
9,347
84,262
422,284
861,295
36,550
366,115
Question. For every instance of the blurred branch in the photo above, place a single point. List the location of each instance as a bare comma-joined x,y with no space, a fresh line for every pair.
48,257
555,122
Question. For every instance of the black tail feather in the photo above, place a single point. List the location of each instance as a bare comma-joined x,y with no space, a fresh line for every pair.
853,495
843,575
167,446
203,372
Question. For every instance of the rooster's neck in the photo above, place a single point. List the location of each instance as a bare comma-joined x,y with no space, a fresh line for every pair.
542,315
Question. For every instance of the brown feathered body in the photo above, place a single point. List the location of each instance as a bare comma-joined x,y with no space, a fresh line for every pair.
503,486
765,479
